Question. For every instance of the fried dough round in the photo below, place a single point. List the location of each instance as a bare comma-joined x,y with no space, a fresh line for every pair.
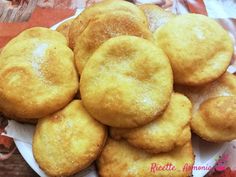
223,86
214,106
64,28
167,131
156,16
38,33
68,141
37,78
215,120
120,159
104,27
101,8
127,82
199,49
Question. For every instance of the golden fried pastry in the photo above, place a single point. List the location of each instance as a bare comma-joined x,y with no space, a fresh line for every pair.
37,78
120,159
213,108
199,49
215,120
90,14
156,16
127,82
39,33
223,86
103,28
68,141
65,27
169,130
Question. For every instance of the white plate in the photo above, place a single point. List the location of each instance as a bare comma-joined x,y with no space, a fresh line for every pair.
206,154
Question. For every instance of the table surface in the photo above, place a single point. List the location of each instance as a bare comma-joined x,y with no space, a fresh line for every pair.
15,166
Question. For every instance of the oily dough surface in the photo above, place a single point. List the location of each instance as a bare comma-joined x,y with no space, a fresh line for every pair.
156,16
213,108
199,49
167,131
127,82
68,141
64,28
225,85
216,119
37,78
39,33
118,159
104,27
89,14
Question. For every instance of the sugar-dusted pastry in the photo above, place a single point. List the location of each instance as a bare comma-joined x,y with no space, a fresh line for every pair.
118,159
223,86
103,28
215,120
199,49
38,33
89,14
166,132
156,16
37,76
103,21
127,82
214,108
68,141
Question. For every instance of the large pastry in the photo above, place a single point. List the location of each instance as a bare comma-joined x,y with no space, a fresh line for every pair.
166,132
127,82
68,141
37,75
199,48
97,25
89,14
214,108
215,120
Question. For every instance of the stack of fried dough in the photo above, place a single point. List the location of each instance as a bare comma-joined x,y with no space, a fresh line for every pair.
147,78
